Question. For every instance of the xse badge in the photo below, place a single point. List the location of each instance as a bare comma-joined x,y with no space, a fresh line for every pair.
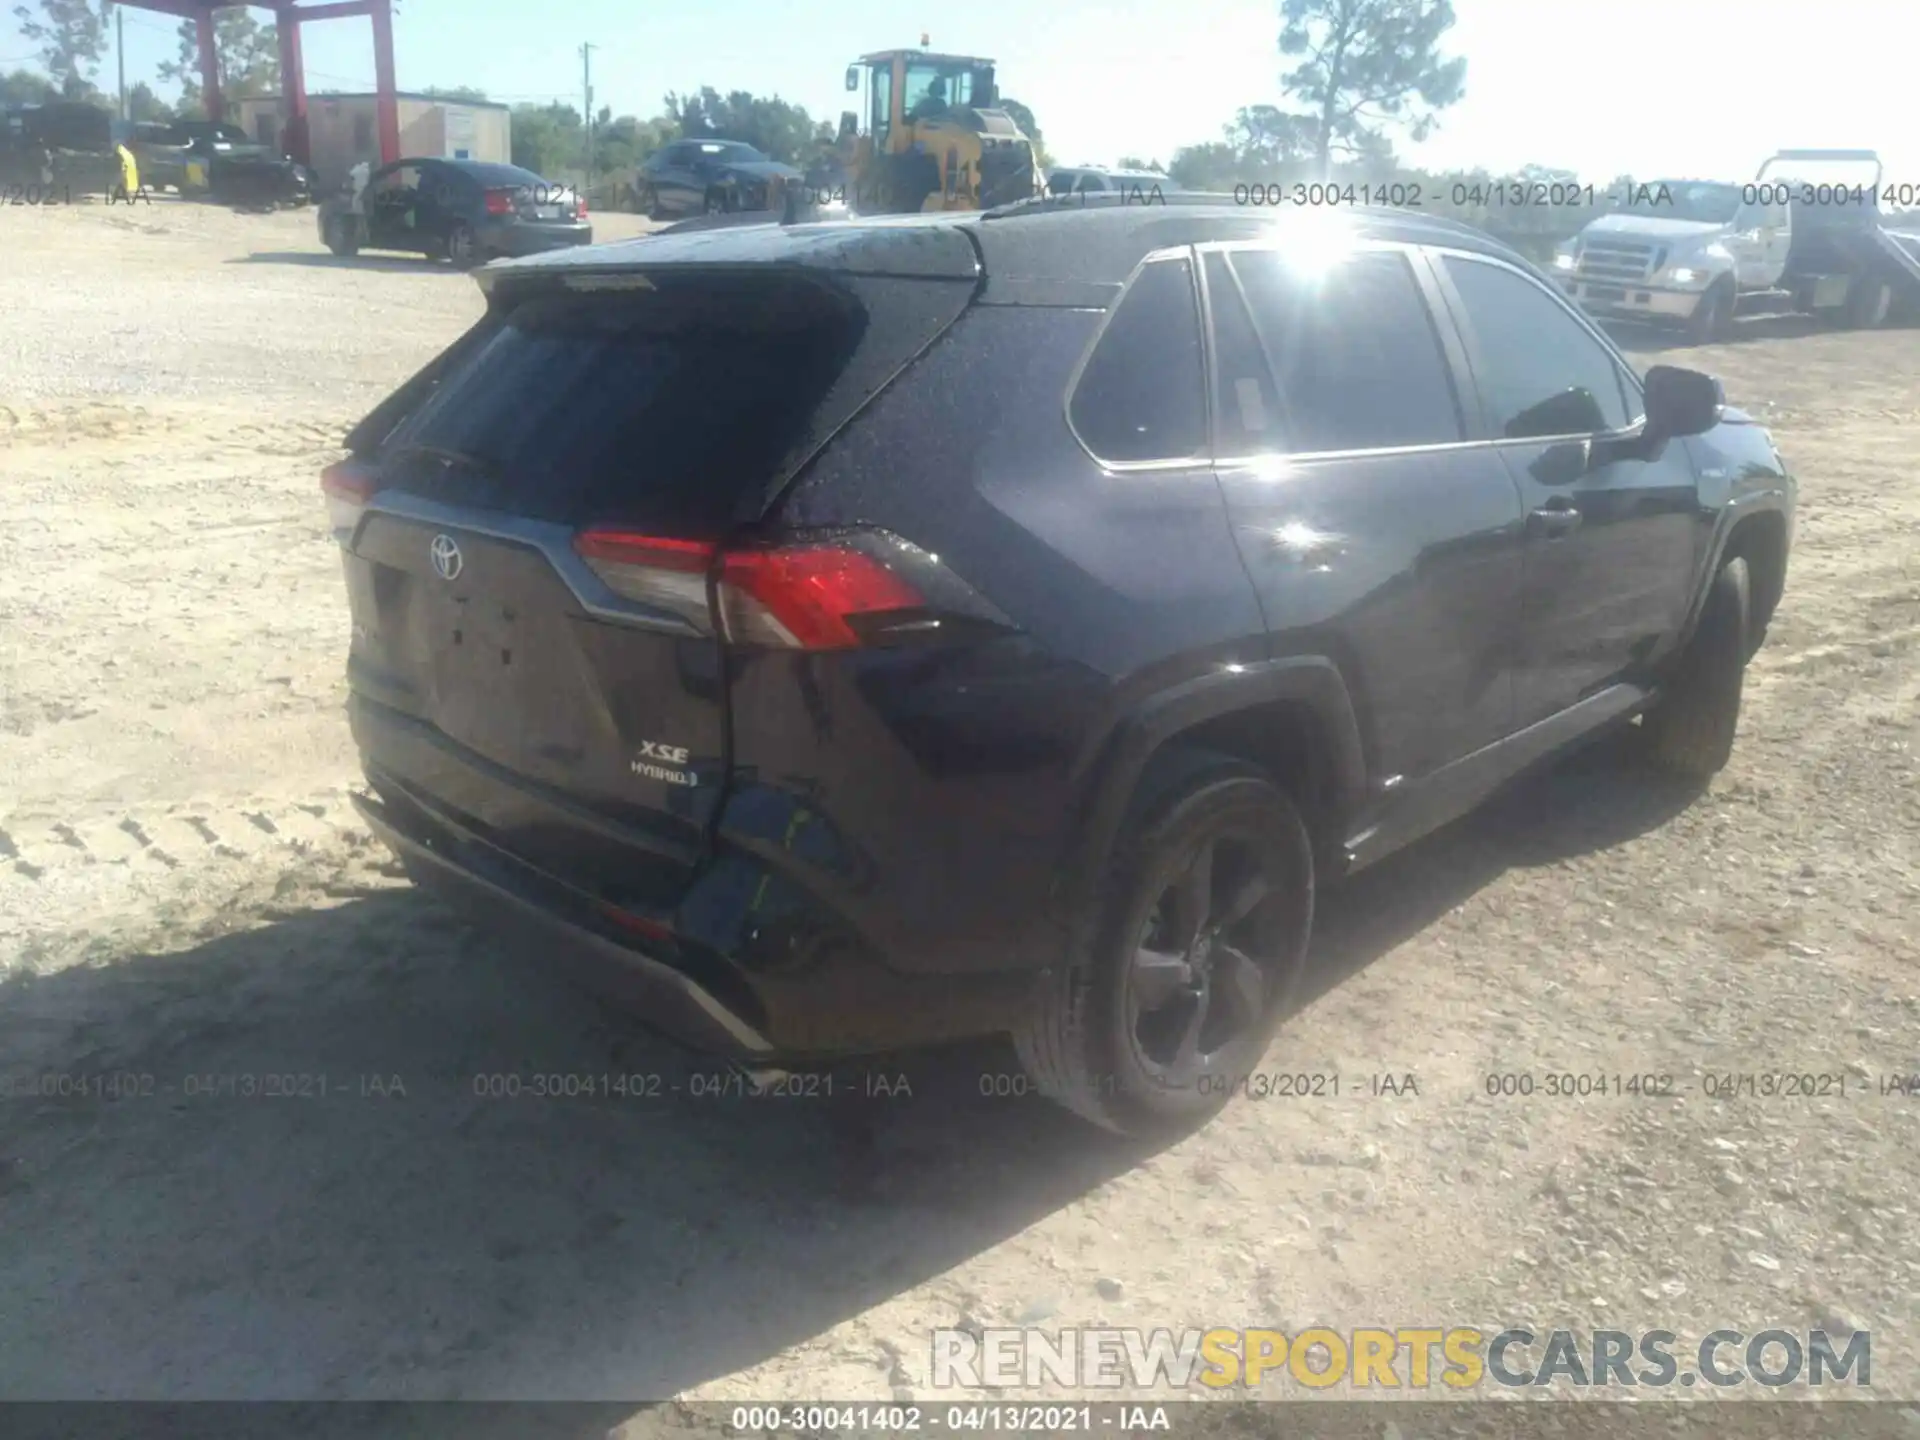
657,761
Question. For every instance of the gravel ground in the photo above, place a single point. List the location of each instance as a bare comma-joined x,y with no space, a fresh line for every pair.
185,896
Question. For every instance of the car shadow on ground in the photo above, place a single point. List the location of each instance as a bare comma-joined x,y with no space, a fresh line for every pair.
329,1172
325,260
1598,797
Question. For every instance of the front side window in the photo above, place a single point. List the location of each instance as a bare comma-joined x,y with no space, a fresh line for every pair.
1540,373
932,88
1316,358
1141,395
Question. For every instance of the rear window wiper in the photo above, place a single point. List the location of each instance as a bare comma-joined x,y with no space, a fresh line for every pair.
448,458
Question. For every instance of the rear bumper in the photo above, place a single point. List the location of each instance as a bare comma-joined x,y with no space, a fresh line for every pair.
666,995
516,240
748,963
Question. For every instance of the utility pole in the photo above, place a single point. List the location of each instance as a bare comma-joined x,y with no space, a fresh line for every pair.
120,53
586,86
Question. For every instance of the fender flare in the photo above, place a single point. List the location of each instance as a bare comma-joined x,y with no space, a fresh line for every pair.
1312,681
1759,502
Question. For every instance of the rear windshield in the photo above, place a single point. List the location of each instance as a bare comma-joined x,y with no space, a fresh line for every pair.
500,176
656,409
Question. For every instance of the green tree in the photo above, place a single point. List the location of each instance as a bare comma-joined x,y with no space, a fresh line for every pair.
547,138
72,37
1269,141
1029,127
1367,64
458,94
143,104
25,87
782,130
1134,162
247,53
1215,166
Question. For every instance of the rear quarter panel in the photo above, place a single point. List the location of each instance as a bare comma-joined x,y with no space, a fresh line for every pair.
949,780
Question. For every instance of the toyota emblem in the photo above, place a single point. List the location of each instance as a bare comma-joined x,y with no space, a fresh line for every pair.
446,556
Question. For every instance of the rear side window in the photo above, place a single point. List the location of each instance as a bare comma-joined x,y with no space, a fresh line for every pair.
1315,359
1142,395
656,409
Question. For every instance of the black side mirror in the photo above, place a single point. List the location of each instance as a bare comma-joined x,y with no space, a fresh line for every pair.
1681,402
849,124
853,77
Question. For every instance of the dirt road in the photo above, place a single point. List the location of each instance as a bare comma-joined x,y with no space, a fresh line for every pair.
186,903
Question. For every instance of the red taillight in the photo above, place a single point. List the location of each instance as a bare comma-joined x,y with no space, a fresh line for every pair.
809,597
622,547
499,202
580,208
348,485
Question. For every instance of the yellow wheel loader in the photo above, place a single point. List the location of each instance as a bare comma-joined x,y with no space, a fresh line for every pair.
928,136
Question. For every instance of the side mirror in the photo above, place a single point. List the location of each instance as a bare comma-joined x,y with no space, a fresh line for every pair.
1681,402
849,124
853,77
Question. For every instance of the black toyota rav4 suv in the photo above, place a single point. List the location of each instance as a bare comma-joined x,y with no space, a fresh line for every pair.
838,637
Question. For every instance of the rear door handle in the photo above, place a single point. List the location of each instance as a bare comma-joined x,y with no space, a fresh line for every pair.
1553,521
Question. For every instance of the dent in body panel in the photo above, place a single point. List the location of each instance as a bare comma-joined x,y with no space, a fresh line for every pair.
960,766
1413,589
951,766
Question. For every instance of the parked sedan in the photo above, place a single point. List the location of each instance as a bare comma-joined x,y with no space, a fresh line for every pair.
466,211
710,177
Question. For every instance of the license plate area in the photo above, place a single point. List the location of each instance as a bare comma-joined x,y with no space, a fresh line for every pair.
501,682
548,212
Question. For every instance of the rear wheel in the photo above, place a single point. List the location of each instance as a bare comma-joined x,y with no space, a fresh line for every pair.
716,203
1868,302
1201,932
1690,729
649,203
463,247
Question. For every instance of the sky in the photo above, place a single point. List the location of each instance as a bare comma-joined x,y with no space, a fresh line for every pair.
1693,88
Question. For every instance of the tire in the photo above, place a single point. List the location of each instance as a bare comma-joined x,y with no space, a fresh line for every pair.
340,238
1713,316
463,249
716,203
1148,1034
648,202
1867,304
1690,729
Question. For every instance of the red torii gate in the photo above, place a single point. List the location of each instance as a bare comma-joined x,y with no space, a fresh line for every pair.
288,18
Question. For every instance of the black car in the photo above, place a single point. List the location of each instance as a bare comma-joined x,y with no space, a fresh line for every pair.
839,637
708,177
62,144
218,159
466,211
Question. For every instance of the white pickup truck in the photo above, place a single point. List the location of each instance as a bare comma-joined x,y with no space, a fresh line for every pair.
1698,251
